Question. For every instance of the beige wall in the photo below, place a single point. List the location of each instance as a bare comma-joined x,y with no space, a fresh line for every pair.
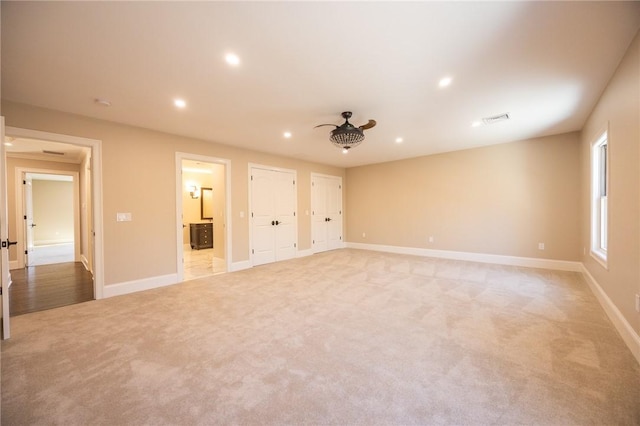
502,199
619,106
52,212
146,246
13,163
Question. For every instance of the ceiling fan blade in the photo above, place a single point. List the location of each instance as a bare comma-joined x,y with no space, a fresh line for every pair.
320,125
369,125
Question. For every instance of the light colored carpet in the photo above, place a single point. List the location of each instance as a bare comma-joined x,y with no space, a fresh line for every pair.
343,337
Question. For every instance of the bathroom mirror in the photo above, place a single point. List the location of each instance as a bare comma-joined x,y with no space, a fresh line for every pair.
206,203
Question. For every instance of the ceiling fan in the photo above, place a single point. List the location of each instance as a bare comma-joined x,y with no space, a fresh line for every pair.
346,136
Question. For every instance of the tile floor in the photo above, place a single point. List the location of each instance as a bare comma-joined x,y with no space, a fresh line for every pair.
201,263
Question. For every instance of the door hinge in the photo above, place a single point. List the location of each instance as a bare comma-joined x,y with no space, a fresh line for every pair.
26,252
251,214
294,182
25,217
295,245
294,214
340,211
24,182
252,252
339,186
340,237
251,177
314,241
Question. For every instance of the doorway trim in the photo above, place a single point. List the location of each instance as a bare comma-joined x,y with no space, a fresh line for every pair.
180,156
96,192
20,222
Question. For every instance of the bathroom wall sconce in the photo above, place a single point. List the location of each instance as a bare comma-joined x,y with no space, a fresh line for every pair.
193,191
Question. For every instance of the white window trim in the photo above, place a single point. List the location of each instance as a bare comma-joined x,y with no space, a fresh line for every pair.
596,251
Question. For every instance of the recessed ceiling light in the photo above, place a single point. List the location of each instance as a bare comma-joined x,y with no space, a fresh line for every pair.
444,82
345,151
232,59
476,123
399,140
180,103
287,135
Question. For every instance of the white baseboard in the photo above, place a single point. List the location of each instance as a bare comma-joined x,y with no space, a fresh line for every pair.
139,285
13,264
621,324
52,242
246,264
85,262
239,266
530,262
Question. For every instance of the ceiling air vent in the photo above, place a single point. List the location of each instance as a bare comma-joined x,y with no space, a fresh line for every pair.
496,118
44,151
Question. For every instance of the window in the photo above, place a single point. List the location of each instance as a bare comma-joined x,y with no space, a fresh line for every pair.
599,203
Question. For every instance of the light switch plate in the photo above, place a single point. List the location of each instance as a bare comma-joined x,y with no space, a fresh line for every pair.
123,217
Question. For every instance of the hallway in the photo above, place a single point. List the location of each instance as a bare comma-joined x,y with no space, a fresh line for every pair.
57,285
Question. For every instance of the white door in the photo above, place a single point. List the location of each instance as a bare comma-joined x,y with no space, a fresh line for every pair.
319,214
285,215
27,191
334,213
326,206
273,215
262,216
4,238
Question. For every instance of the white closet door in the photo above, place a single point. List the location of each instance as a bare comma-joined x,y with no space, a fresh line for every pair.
319,213
285,214
262,216
273,215
334,213
326,205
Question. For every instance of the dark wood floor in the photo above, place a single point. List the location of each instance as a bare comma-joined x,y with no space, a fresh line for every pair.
49,286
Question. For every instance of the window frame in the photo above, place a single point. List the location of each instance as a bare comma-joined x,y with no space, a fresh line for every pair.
600,186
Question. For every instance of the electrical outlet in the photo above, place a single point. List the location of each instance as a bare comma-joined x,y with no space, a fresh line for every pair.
637,302
430,238
364,235
540,246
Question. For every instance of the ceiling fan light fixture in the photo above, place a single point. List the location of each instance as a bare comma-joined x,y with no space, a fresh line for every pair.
346,137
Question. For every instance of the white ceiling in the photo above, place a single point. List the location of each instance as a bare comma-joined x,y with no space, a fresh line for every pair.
303,63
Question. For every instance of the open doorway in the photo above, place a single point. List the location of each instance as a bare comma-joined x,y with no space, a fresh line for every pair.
202,197
50,206
51,224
